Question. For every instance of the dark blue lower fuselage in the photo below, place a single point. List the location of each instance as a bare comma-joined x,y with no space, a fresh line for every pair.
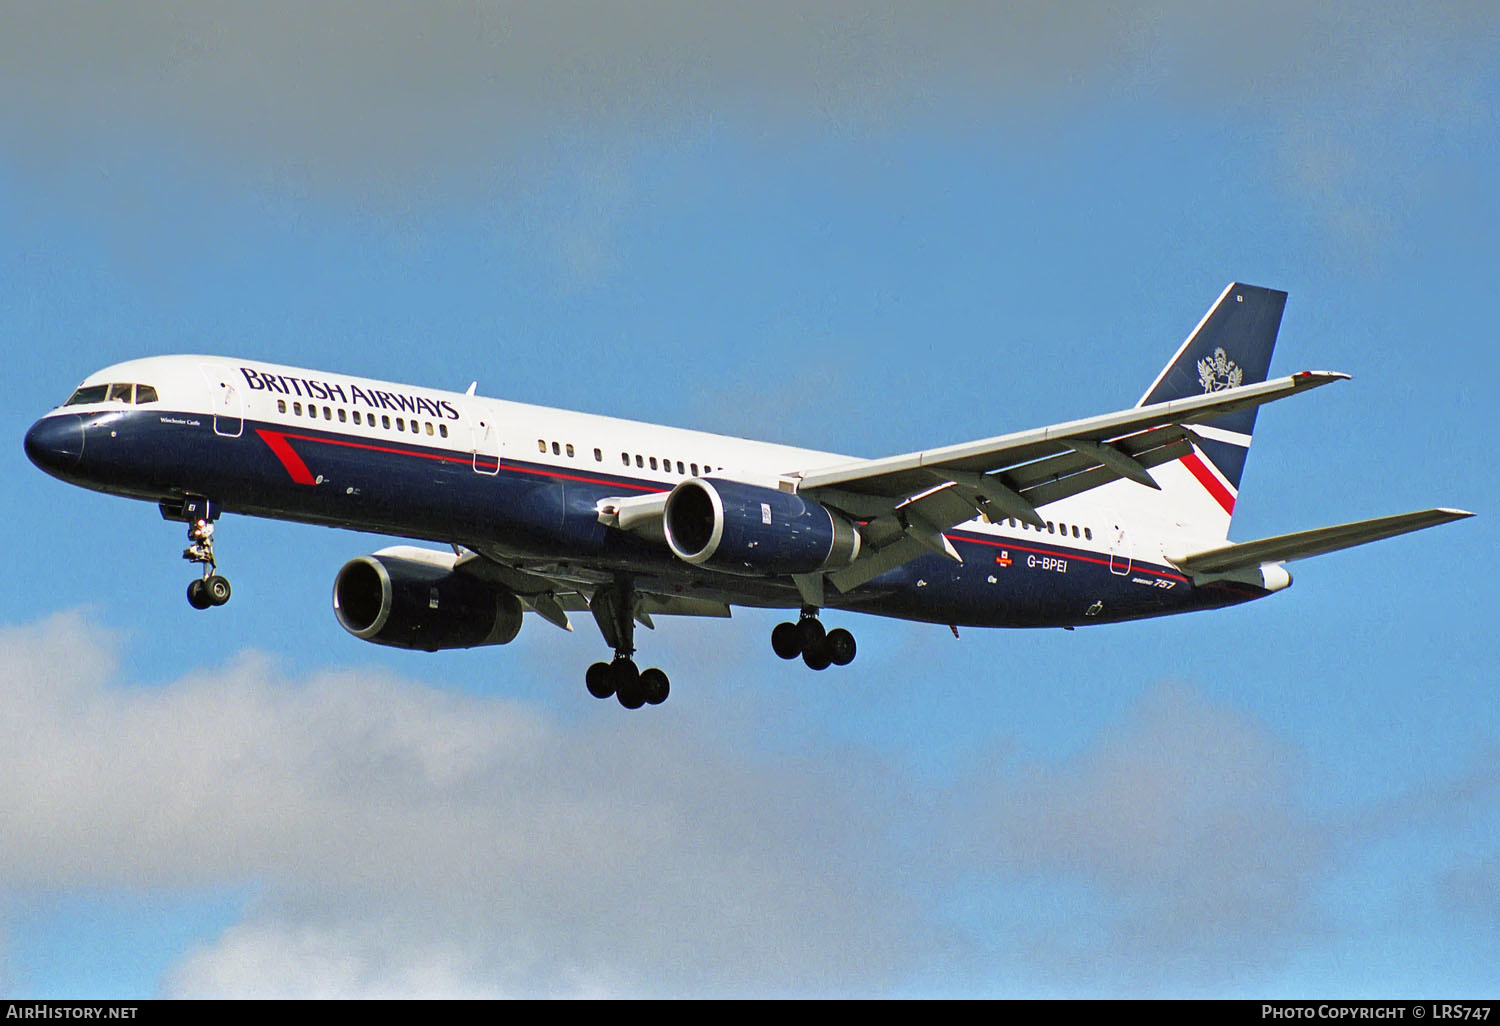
533,513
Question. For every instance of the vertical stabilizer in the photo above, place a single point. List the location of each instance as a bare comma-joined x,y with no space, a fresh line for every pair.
1231,346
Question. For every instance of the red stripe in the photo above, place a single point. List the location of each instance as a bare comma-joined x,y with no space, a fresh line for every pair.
1207,479
289,459
544,472
444,457
292,461
1064,554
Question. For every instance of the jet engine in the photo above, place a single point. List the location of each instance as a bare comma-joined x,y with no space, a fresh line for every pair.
422,604
745,529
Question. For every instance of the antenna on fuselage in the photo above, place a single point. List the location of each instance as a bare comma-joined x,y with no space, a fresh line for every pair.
472,385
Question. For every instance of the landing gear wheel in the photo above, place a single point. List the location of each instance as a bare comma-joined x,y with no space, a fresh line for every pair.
809,632
627,681
840,645
197,594
654,686
217,589
599,681
786,640
817,657
631,696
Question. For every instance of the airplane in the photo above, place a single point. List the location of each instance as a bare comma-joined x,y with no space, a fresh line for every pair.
1099,520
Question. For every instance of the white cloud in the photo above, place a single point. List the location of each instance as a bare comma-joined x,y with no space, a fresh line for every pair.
404,841
407,839
1185,828
366,92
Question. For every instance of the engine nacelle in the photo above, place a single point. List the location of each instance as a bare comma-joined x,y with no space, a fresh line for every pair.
411,603
745,529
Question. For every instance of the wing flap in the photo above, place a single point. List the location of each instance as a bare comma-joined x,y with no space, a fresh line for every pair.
1302,544
1073,472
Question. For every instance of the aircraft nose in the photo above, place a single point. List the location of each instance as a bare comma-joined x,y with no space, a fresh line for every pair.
56,443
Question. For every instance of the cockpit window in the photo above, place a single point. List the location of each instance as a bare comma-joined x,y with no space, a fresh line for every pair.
84,396
120,392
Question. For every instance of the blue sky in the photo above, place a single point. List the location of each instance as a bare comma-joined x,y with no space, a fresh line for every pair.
866,231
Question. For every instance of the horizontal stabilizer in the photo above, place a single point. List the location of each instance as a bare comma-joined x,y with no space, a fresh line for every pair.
1285,547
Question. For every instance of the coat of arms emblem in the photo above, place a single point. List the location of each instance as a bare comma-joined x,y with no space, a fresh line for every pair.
1219,372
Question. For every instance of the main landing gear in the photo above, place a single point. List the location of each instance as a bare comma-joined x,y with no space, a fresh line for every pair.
632,687
615,609
818,648
211,589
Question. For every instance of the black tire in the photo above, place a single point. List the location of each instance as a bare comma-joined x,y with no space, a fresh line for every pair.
598,681
840,645
786,640
217,589
631,696
627,681
197,594
817,657
809,632
654,686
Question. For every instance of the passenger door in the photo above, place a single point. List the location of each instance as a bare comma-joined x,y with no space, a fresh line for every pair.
227,402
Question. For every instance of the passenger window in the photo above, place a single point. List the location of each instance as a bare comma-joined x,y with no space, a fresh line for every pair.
570,450
638,461
598,456
443,430
625,458
653,463
356,417
556,449
1088,532
297,409
385,421
281,406
680,468
416,427
400,423
429,427
327,413
343,417
1049,528
120,393
1075,530
144,394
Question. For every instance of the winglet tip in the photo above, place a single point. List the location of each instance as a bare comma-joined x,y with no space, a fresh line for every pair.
1323,376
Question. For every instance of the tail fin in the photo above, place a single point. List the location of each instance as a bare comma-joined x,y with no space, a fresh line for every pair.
1230,346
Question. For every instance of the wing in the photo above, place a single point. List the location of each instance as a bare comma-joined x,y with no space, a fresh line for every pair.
906,502
1286,547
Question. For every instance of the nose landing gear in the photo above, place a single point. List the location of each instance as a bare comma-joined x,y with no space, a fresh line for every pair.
212,589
